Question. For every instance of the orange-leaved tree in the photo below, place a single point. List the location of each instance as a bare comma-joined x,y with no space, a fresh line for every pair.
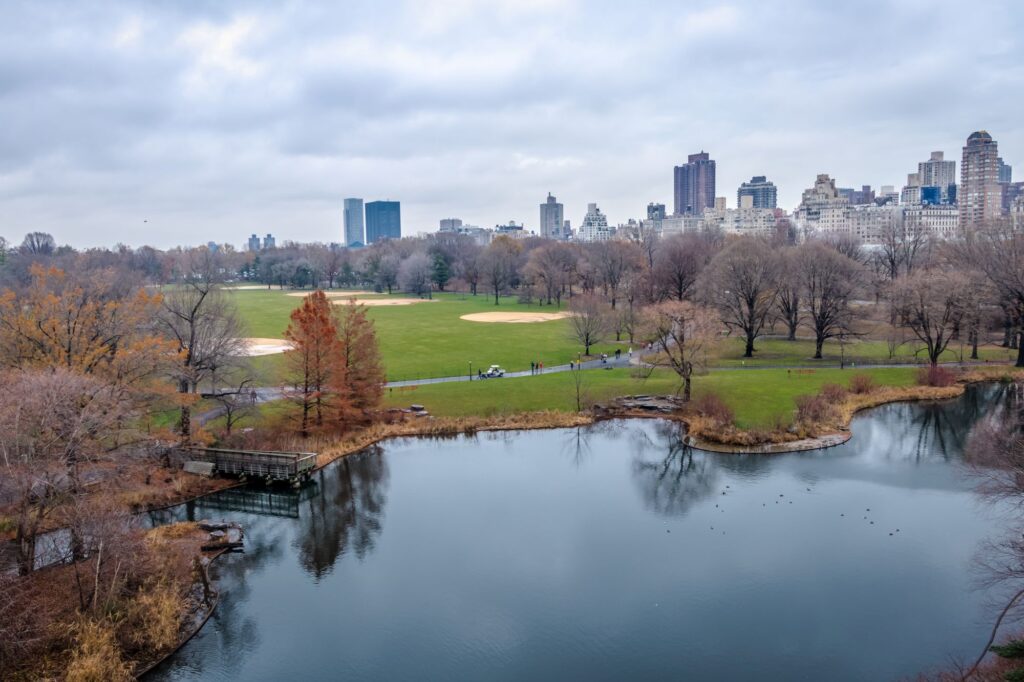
363,376
314,361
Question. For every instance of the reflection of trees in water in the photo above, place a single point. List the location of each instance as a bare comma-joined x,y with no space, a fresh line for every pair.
232,632
995,446
994,449
576,444
347,516
672,476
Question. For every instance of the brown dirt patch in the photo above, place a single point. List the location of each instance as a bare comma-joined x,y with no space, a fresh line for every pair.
257,346
514,318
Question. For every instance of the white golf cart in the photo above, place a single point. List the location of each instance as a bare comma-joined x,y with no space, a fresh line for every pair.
493,372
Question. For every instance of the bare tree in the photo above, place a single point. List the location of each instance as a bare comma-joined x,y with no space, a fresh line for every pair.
740,283
614,260
828,280
38,244
998,251
52,423
551,266
204,325
787,300
589,320
932,305
498,265
683,333
414,274
902,250
678,263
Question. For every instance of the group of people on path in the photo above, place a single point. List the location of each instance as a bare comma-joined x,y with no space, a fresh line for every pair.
536,367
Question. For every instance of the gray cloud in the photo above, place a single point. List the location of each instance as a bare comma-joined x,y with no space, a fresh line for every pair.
213,120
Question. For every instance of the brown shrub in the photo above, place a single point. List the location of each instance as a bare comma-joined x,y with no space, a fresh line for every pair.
154,616
95,656
936,375
812,409
833,393
861,384
714,409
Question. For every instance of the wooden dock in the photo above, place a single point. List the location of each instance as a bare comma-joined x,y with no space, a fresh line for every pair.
292,467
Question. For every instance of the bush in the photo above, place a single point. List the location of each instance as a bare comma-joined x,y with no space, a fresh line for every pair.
833,393
96,656
936,375
862,383
154,616
812,409
714,408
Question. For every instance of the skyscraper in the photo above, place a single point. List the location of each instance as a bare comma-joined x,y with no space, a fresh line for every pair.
269,242
552,216
383,221
1005,171
694,185
762,192
980,195
937,172
354,222
254,242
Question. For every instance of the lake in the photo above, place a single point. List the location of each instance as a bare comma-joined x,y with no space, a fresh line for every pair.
610,552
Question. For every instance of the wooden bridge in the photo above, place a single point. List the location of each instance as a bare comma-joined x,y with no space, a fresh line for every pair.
294,467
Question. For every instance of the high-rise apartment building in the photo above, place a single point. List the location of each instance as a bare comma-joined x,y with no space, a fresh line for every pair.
937,172
1005,171
979,195
552,218
763,193
449,224
655,211
694,185
254,242
595,225
353,219
383,221
269,242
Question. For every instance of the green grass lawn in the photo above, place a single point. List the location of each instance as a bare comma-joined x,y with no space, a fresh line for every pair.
430,340
774,351
759,397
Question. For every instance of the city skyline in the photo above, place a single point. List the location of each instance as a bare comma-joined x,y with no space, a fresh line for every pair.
168,124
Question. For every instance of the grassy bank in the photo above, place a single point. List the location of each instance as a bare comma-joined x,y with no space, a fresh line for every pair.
759,398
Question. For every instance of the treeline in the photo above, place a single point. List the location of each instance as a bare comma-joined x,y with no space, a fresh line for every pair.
813,289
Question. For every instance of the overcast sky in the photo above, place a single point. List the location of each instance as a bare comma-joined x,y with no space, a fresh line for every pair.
171,123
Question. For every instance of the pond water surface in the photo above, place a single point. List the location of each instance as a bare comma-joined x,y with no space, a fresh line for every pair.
608,553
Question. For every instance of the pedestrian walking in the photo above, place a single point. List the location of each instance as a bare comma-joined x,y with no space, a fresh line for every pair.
570,365
532,367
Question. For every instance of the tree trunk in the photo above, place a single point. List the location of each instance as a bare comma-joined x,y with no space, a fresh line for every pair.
1020,350
749,350
686,388
818,343
974,343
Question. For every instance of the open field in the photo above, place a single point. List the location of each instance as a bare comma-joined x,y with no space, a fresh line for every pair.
422,341
419,341
759,398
